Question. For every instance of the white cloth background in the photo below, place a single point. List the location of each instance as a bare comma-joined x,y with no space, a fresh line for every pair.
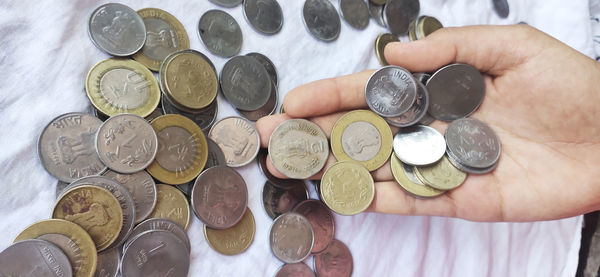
45,54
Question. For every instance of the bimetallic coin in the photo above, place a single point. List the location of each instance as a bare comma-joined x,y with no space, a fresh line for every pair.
473,143
227,3
419,145
156,253
108,263
295,270
189,80
427,25
501,7
380,43
160,224
322,221
363,137
220,197
220,33
376,12
215,155
171,205
60,186
235,239
321,19
117,29
298,148
347,188
245,83
268,109
391,91
142,188
204,118
414,188
355,12
280,183
454,161
66,147
238,139
278,201
335,261
415,113
267,64
34,257
441,175
398,14
264,16
291,237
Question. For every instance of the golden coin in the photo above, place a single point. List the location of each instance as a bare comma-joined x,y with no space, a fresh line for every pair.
233,240
413,187
94,209
117,86
441,175
412,31
190,80
182,149
380,43
362,136
84,262
171,204
427,25
347,188
164,35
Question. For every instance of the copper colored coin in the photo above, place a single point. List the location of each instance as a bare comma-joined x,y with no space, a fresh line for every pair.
278,201
335,261
322,221
295,270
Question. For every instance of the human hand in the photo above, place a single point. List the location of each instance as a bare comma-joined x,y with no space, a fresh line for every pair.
541,100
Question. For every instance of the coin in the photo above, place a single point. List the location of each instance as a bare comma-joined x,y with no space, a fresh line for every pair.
321,19
295,270
99,114
215,155
34,257
390,91
204,118
67,246
378,2
83,261
117,29
417,189
421,77
412,30
347,188
245,83
182,150
501,8
233,240
291,237
415,113
142,188
441,175
280,183
355,12
419,145
335,261
171,205
398,14
117,86
380,43
160,224
66,147
376,12
427,25
454,161
164,35
264,16
473,143
227,3
60,186
322,222
298,148
278,201
93,208
238,139
267,64
220,33
156,253
363,137
108,263
267,109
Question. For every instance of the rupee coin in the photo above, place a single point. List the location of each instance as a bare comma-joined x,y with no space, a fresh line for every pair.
278,182
142,188
267,64
220,33
391,91
322,221
355,12
238,138
278,201
117,29
156,253
108,263
335,261
245,83
321,19
376,12
399,13
227,3
419,145
204,118
291,237
440,175
473,143
235,239
34,257
264,16
413,187
415,113
295,270
426,25
380,43
160,224
171,205
347,188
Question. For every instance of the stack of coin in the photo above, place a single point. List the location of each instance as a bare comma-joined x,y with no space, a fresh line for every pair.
423,26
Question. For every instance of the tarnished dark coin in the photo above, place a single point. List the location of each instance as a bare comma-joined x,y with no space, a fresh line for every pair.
415,113
291,237
267,63
160,224
34,257
335,261
156,253
108,263
321,19
295,270
142,188
399,13
376,12
238,138
215,155
245,83
117,29
265,16
220,33
278,201
501,7
227,3
391,91
267,109
473,143
355,12
205,118
322,221
280,183
419,145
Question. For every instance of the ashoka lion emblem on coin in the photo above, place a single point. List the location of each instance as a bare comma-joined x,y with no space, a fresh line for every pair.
72,148
390,91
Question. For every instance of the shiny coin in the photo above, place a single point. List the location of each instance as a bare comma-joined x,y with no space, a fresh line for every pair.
215,155
415,113
473,143
156,253
117,86
298,148
415,188
455,91
268,109
164,35
108,263
391,91
238,139
355,12
426,25
142,188
220,197
455,161
501,7
220,33
171,205
321,19
227,3
245,83
347,188
295,270
72,239
363,137
66,147
126,143
322,221
335,261
441,175
291,237
93,208
376,12
182,150
280,183
267,64
419,145
160,224
60,186
34,257
117,29
265,16
278,201
398,14
380,43
204,118
233,240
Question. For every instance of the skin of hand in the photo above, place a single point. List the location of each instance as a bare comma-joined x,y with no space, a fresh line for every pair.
542,100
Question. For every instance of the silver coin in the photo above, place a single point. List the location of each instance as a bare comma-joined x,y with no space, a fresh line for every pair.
415,113
60,187
126,143
321,19
117,29
265,16
298,148
455,91
419,145
159,224
68,246
245,83
361,141
454,161
205,118
355,12
391,91
501,8
66,147
399,13
220,33
215,155
473,143
267,63
34,257
291,237
238,138
108,263
227,3
376,12
156,253
280,183
268,109
142,188
278,201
